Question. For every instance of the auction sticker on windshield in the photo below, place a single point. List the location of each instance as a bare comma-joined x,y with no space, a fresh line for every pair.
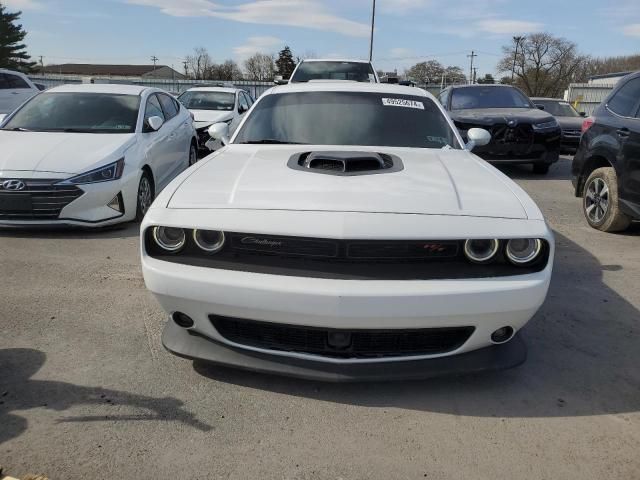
401,102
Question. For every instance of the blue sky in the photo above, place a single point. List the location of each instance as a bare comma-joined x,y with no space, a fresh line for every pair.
407,31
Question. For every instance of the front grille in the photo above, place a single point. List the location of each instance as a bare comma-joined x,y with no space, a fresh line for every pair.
341,343
342,259
505,135
571,132
40,200
203,136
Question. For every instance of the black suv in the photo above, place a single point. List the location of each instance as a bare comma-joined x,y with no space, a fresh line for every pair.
520,132
606,168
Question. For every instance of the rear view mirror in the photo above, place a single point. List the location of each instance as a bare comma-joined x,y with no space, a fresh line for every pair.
477,137
279,80
155,123
583,114
540,107
220,131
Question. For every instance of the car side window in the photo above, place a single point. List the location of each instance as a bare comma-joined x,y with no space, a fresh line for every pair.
168,107
4,81
625,101
249,99
14,81
242,103
153,109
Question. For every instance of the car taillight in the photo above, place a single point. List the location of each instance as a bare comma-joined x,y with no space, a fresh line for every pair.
587,124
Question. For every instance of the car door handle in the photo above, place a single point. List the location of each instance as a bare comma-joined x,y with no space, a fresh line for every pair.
623,132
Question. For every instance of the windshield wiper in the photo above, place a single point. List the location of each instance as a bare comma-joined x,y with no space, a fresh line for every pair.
272,141
17,129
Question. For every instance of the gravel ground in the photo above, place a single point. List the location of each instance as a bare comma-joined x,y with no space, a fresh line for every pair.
87,391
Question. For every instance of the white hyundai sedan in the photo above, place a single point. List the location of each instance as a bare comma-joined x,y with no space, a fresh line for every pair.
347,233
91,155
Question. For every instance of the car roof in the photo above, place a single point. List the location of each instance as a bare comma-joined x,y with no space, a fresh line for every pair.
214,89
483,85
549,99
346,60
346,86
14,72
99,88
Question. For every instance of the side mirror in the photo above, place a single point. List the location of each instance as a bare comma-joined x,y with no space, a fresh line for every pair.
155,123
279,80
540,107
477,137
583,114
40,87
220,131
242,109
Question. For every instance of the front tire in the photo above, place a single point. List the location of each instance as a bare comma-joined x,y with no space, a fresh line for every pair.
600,201
541,168
145,195
193,153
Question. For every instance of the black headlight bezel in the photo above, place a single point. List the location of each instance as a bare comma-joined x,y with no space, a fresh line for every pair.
97,174
234,256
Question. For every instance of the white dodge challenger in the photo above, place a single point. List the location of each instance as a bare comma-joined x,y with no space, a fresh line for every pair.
344,233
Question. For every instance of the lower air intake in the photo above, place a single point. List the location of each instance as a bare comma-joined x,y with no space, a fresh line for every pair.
341,343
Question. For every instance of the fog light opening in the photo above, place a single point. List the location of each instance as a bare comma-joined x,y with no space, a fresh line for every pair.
182,320
116,203
502,335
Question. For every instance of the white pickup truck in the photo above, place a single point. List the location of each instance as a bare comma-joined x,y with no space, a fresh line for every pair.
15,89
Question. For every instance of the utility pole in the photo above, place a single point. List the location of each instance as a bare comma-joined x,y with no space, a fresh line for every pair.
154,59
42,65
373,23
475,75
186,68
517,41
472,56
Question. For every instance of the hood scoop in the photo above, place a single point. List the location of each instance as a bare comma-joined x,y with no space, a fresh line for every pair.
346,163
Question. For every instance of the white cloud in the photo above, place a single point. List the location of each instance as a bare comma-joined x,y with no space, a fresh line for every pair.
295,13
400,52
22,4
257,45
632,30
507,27
400,7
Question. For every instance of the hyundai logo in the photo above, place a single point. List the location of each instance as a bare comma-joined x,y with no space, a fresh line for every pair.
14,185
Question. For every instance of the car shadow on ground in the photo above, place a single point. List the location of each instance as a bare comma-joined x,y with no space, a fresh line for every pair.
583,360
125,230
18,391
561,170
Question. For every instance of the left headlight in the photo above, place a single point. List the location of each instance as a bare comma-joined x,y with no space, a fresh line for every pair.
523,251
553,123
108,173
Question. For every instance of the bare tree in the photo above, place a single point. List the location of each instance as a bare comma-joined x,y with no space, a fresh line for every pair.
199,64
544,64
260,67
228,70
433,71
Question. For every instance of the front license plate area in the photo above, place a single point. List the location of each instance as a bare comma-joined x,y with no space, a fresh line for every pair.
15,202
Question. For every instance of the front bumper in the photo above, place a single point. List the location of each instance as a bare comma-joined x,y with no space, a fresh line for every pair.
197,347
86,208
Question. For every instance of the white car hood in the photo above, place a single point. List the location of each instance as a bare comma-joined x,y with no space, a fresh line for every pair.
203,118
433,182
58,152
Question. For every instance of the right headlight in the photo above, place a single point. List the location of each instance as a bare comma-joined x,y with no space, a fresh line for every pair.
553,123
481,250
523,251
211,241
170,239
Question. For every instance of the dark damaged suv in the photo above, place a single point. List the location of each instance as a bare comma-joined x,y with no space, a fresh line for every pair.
606,168
520,132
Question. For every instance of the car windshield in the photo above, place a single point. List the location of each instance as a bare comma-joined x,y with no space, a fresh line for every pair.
78,112
558,109
348,118
356,71
197,100
488,97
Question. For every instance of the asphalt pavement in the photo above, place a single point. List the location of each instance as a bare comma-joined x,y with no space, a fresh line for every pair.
87,391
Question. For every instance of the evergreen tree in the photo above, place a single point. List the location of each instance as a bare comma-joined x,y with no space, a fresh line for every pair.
12,49
285,63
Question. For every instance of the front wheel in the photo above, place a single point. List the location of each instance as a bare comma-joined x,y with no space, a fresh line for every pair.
193,153
600,201
541,168
145,196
